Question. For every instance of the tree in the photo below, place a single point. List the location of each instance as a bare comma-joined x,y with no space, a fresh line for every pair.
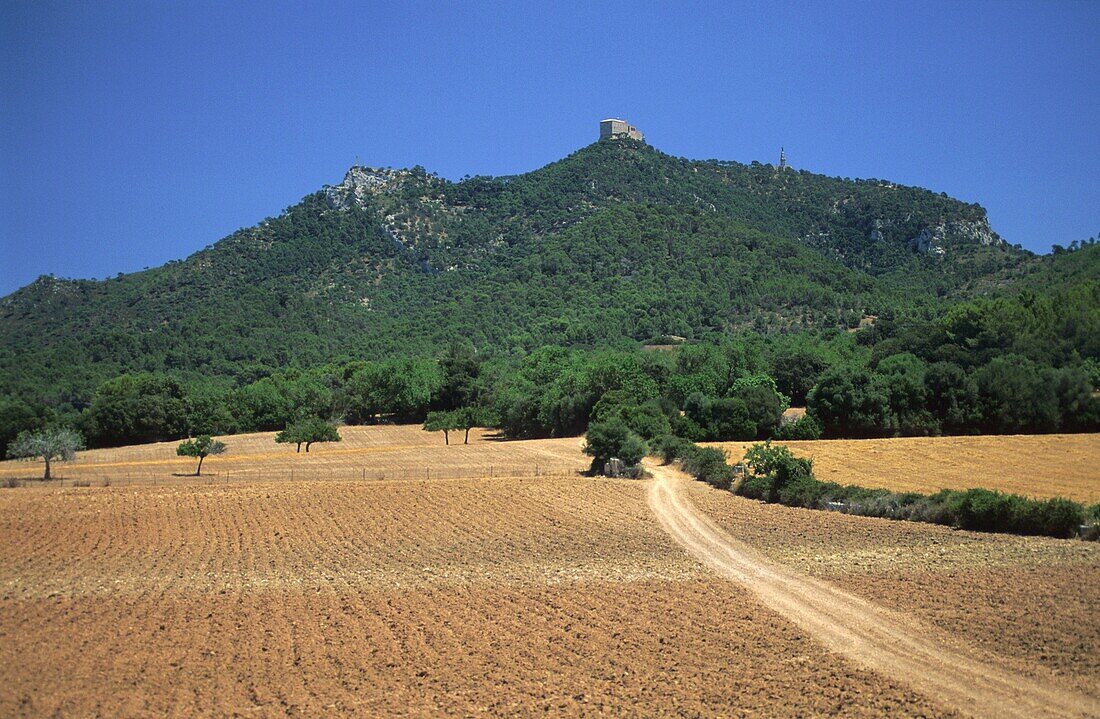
1018,396
201,447
645,419
715,419
402,387
132,409
50,444
848,403
307,432
613,439
466,418
442,422
901,377
952,397
796,371
765,407
18,416
461,369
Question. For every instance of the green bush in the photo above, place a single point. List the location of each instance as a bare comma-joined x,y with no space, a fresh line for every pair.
987,511
805,428
709,465
776,467
803,491
613,439
1058,517
671,447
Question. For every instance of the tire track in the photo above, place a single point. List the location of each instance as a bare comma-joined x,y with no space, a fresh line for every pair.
860,630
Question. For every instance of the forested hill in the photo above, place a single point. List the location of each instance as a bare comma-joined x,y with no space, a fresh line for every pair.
614,244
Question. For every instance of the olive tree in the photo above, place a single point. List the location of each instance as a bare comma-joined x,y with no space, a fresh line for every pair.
463,418
442,422
201,447
61,444
307,432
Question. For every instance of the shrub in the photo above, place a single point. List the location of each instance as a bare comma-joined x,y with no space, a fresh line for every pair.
1058,517
776,475
709,465
774,467
755,487
613,439
805,428
803,491
987,511
671,448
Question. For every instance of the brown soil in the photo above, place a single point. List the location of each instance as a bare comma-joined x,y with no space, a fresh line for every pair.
889,642
506,597
1028,601
1066,465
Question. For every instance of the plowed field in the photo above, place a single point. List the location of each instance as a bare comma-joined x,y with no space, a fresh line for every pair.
510,596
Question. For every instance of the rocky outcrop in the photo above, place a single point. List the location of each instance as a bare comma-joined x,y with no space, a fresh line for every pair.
363,182
935,240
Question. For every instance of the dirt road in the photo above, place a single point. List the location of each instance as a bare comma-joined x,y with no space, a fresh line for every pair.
878,639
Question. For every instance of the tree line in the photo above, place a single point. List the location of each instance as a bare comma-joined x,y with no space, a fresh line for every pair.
1027,364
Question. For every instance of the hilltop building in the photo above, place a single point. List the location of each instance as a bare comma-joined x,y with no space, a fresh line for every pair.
612,128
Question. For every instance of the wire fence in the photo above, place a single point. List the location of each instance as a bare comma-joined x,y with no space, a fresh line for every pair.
91,476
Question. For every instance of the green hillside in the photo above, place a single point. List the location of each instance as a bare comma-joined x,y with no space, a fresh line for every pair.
612,245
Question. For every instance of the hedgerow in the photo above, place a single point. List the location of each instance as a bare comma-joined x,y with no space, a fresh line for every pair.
773,474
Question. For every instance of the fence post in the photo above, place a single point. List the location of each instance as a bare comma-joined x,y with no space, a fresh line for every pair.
428,473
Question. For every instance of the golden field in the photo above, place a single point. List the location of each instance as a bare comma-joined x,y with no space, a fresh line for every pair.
1046,465
365,452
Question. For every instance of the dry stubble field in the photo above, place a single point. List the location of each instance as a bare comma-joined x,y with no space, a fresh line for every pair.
1044,465
503,596
365,452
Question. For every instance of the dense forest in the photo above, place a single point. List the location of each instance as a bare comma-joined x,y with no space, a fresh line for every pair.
884,309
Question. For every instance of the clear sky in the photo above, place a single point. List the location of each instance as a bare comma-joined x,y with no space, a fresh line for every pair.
139,132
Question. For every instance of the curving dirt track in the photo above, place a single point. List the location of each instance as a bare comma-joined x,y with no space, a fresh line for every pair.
860,630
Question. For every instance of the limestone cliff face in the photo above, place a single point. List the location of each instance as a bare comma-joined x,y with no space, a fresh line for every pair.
935,240
363,182
409,204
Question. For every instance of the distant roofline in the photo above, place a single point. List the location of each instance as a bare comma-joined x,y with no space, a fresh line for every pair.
612,119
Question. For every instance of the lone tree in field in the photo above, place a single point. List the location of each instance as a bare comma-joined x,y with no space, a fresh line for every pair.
201,447
441,422
61,444
307,432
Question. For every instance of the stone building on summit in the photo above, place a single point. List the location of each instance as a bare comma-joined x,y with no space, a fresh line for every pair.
612,128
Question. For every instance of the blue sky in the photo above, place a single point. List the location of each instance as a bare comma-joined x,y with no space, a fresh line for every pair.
135,133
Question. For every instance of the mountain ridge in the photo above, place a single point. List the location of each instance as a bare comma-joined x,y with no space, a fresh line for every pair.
615,242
